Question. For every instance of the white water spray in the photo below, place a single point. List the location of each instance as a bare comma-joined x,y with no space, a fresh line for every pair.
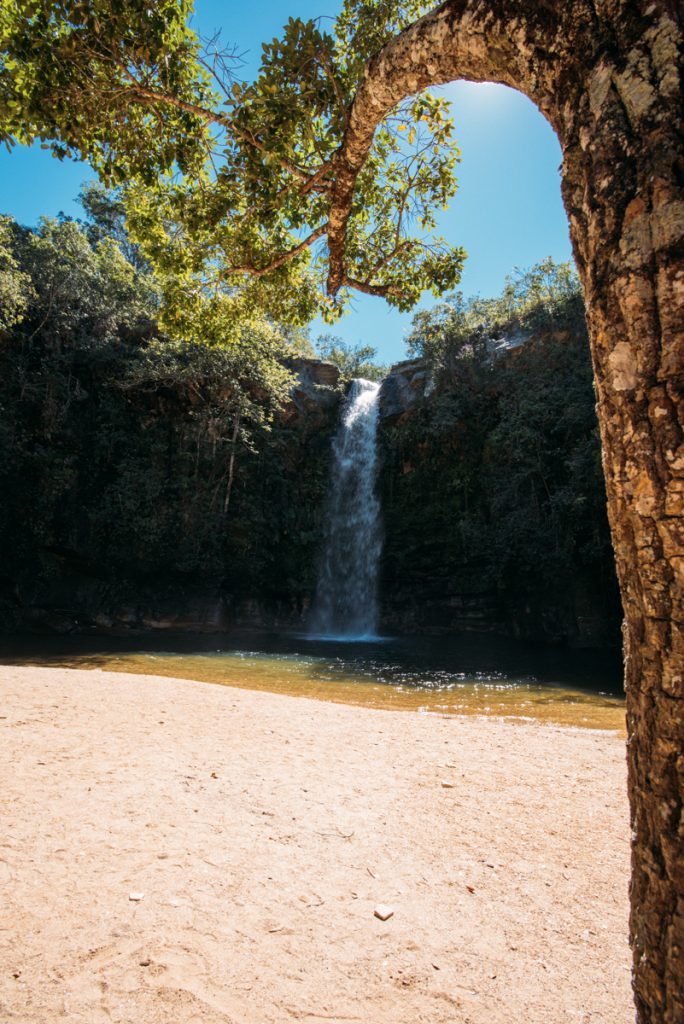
346,603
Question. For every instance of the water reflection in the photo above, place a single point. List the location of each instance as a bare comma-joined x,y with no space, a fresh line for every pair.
464,675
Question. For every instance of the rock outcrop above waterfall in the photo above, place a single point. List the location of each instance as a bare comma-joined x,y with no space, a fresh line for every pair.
316,389
313,373
410,381
405,384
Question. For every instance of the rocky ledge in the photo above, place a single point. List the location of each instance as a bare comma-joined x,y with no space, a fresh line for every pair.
404,385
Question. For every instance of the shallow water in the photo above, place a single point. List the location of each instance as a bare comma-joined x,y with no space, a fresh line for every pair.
461,675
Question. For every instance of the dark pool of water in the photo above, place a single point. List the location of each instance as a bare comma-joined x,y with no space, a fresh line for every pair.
460,674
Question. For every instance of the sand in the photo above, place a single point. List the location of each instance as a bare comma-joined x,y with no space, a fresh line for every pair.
176,852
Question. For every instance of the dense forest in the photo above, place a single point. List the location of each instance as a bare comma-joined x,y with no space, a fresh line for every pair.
152,482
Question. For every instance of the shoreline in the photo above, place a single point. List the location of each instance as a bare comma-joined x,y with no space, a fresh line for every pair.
262,832
561,702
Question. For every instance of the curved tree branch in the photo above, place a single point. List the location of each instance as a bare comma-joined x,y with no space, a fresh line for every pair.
459,39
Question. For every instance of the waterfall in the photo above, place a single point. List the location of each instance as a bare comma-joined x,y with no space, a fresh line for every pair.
346,603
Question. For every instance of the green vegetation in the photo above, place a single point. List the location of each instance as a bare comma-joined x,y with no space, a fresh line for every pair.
133,465
351,360
493,483
228,185
454,336
126,457
15,285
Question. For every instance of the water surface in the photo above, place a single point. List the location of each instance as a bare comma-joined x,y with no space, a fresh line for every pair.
467,674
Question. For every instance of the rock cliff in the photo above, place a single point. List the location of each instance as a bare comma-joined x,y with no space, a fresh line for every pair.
493,498
260,569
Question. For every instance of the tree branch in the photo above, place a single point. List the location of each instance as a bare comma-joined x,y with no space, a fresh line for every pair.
381,290
446,44
327,67
144,92
279,261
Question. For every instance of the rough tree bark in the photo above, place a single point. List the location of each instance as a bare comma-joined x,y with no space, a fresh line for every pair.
607,74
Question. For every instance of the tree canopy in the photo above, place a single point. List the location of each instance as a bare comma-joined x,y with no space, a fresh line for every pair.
231,187
130,460
352,360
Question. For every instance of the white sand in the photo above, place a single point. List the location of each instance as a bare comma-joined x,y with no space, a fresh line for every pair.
262,831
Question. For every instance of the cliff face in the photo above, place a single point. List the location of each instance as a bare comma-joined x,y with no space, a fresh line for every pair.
493,498
139,539
402,389
490,483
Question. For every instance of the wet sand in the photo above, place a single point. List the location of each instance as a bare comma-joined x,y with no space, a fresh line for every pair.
531,688
178,851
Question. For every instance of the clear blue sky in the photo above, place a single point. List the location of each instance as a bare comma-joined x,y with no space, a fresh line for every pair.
507,213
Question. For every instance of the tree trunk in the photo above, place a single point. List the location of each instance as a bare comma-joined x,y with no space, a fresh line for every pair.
623,178
231,465
607,74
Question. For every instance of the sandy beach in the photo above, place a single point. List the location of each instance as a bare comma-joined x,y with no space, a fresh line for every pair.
175,852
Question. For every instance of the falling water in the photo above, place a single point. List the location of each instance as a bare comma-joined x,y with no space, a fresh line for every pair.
346,602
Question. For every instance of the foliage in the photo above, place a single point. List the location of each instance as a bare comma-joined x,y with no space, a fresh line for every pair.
546,296
80,292
125,457
352,360
64,75
457,333
15,284
493,484
106,219
228,185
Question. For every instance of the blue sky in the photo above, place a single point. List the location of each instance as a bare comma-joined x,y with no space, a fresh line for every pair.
507,213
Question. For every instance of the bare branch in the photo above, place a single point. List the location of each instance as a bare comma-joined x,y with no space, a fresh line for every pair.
216,59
